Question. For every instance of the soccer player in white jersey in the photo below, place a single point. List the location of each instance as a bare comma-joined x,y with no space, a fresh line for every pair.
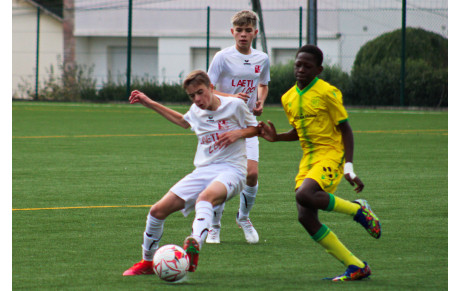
221,126
243,72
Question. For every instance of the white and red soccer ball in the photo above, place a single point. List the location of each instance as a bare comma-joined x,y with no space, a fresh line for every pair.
170,263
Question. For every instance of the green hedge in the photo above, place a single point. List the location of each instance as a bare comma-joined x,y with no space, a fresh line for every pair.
374,79
420,44
377,85
160,92
282,79
380,85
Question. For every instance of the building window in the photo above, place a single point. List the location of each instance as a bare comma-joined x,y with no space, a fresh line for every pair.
283,55
199,57
144,62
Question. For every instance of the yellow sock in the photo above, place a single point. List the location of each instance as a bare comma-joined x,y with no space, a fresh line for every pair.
329,241
340,205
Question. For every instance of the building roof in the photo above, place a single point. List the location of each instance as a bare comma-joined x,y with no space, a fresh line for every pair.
52,7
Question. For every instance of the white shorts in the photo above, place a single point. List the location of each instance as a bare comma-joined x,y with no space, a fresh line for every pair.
194,183
252,148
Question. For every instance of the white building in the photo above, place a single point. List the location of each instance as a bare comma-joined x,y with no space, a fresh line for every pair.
24,43
170,37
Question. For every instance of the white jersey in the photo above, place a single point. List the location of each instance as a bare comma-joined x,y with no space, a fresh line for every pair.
232,114
232,72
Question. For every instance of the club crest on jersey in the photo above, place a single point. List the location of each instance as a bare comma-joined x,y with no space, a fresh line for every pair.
315,102
257,69
223,124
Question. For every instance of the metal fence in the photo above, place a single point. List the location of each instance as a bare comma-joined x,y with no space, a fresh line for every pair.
162,41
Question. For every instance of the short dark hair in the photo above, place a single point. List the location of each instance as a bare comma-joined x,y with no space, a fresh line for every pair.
314,50
197,77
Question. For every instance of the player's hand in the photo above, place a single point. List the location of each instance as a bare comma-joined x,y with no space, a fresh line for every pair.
351,177
243,96
355,181
138,97
227,138
257,111
267,132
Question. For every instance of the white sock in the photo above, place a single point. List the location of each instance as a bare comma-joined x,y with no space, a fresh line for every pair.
247,200
202,222
218,211
152,235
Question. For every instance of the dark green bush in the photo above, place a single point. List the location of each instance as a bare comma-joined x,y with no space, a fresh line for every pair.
375,77
425,85
164,92
281,79
336,77
112,92
379,85
375,85
420,44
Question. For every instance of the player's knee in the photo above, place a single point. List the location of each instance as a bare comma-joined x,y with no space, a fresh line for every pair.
211,198
253,173
304,198
158,212
251,178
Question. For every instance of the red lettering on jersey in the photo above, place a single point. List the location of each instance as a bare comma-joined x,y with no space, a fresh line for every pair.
213,137
223,124
243,83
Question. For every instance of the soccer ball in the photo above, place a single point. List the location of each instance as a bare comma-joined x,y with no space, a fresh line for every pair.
171,263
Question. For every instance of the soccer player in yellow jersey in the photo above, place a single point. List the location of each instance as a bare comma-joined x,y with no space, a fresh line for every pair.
320,122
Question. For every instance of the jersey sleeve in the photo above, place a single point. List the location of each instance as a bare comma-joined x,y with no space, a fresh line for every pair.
245,117
215,68
286,109
265,75
189,117
335,106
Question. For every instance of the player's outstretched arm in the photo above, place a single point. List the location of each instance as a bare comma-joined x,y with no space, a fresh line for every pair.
348,141
230,137
269,133
168,113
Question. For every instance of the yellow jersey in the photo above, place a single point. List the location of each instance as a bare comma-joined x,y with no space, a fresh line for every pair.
315,112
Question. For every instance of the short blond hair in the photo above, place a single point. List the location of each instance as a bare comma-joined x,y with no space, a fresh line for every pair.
244,18
197,77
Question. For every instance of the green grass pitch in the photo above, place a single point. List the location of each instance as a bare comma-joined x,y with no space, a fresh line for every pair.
84,176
